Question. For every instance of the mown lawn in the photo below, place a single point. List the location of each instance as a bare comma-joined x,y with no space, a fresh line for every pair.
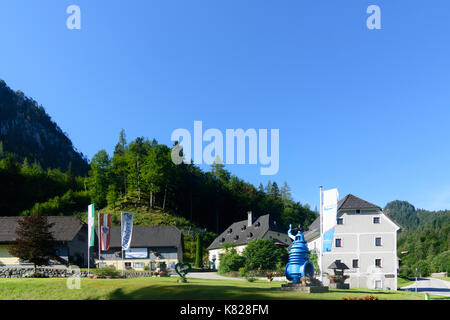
169,289
403,282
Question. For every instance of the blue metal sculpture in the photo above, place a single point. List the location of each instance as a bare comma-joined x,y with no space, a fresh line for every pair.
299,265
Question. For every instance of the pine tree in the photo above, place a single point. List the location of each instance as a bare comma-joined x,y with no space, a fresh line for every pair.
199,252
286,193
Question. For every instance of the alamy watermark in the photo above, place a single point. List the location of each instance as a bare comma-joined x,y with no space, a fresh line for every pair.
257,147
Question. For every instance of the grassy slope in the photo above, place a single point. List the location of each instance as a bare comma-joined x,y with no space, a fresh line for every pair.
403,282
169,289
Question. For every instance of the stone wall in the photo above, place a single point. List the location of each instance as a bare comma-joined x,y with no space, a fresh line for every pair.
48,272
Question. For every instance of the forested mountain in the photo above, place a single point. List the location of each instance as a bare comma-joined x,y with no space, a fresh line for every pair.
406,215
27,131
424,242
142,173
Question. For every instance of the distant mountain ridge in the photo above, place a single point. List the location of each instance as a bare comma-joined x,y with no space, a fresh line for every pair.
407,216
28,132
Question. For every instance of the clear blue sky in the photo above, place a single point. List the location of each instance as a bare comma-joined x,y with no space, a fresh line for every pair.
364,111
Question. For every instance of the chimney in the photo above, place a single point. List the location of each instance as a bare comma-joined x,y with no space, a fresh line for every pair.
250,218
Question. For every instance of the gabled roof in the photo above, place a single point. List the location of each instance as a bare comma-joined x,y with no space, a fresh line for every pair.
351,202
149,236
64,228
338,265
313,231
239,233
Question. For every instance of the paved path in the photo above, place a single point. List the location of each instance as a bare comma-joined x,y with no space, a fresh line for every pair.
216,276
209,275
431,286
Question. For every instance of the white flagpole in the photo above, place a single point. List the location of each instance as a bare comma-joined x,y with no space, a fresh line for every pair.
121,241
321,235
99,244
89,249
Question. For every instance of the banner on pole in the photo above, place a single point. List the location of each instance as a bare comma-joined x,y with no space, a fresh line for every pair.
330,200
105,234
91,225
127,229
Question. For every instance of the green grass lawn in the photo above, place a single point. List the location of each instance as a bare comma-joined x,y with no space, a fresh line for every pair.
403,282
444,278
169,289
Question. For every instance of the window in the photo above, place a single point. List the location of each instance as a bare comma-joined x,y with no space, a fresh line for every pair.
378,263
358,211
340,221
376,220
338,243
378,284
138,265
378,242
355,263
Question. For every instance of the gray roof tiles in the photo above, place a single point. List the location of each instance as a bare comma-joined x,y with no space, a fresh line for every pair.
239,233
351,202
64,228
149,236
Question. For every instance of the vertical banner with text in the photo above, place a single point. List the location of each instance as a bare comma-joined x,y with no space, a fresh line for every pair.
330,200
127,229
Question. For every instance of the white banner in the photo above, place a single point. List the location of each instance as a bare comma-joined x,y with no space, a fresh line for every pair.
136,253
330,200
127,229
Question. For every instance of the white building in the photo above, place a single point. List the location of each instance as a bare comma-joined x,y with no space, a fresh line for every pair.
365,240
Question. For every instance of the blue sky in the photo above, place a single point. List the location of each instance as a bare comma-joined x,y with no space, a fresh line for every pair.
362,110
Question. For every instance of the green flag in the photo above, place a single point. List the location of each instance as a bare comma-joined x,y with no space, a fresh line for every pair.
91,225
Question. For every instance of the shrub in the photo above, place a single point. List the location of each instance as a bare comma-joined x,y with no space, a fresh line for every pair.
242,272
263,254
107,272
250,276
230,261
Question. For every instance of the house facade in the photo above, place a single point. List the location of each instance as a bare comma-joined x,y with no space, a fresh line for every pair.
70,234
365,240
241,233
152,248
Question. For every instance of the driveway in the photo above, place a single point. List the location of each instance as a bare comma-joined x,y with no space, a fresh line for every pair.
208,275
431,286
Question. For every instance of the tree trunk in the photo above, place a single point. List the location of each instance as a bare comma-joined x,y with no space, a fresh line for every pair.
165,196
151,196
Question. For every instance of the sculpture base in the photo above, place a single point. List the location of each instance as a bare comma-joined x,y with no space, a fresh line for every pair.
299,287
339,286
